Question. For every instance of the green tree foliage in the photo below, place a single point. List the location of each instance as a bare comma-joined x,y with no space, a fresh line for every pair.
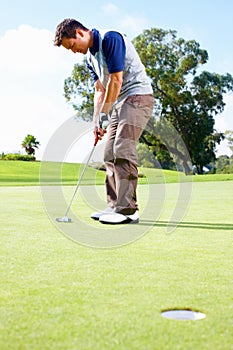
79,91
145,156
229,136
224,164
29,144
187,100
152,150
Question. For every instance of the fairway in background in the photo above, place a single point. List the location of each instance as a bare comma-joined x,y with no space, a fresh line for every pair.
18,173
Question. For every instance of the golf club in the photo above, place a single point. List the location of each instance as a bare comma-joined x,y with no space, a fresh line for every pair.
104,121
65,217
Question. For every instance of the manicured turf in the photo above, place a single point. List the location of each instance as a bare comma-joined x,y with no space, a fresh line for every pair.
58,294
19,173
16,173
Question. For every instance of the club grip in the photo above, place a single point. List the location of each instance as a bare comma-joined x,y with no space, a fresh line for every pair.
96,140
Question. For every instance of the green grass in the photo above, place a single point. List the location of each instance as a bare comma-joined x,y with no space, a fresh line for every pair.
19,173
56,294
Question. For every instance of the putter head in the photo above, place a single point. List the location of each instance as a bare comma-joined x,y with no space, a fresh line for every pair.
64,219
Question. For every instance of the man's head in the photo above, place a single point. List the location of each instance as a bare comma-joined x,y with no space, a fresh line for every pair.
72,35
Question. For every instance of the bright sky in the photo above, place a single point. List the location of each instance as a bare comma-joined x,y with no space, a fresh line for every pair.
33,71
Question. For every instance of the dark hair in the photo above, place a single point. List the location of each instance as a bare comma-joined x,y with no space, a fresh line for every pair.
67,29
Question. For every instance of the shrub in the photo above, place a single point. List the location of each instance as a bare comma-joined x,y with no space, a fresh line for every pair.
17,156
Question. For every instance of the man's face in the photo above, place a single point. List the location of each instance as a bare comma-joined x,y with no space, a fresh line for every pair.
77,44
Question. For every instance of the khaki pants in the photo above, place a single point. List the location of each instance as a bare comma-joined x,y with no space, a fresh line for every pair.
128,120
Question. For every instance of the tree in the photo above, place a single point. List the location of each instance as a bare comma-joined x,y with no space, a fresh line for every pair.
229,136
29,144
187,101
153,150
224,164
145,156
79,91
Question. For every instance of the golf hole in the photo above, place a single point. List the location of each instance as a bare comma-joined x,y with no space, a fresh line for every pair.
183,315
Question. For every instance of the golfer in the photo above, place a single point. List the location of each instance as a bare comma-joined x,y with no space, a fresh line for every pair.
124,96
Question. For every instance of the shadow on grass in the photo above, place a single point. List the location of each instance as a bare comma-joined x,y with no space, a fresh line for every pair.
185,224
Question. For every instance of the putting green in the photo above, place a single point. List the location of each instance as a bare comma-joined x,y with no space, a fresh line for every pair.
58,294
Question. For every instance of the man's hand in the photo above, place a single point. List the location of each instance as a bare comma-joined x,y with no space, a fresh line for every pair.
99,133
104,120
100,130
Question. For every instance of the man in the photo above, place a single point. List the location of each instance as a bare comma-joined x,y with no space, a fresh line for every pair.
122,90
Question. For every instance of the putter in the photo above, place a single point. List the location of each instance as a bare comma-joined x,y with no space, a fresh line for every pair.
65,218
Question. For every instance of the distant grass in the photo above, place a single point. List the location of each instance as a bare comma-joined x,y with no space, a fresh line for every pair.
19,173
59,295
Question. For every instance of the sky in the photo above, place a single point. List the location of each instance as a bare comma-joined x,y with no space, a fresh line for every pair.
33,71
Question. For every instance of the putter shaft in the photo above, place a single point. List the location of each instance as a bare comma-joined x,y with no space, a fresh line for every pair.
80,178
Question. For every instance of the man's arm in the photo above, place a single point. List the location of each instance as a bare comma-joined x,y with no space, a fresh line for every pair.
105,98
98,100
112,91
114,51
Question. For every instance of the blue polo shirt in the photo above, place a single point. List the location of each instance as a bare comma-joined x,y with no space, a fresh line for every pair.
114,50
